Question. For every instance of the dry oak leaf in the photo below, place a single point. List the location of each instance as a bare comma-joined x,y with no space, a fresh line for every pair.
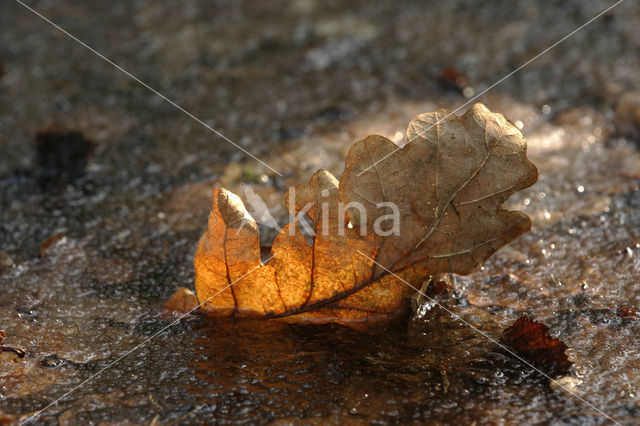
448,185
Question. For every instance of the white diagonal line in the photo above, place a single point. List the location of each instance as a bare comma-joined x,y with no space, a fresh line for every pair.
144,342
496,83
133,77
456,316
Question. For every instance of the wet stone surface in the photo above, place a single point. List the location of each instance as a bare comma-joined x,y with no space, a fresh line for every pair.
98,229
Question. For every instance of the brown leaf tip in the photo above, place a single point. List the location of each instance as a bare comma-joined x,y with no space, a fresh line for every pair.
182,301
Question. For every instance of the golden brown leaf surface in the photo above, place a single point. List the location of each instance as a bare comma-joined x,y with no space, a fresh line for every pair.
448,184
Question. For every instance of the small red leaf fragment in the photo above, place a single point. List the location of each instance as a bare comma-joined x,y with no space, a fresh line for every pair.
626,312
531,340
48,244
452,80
